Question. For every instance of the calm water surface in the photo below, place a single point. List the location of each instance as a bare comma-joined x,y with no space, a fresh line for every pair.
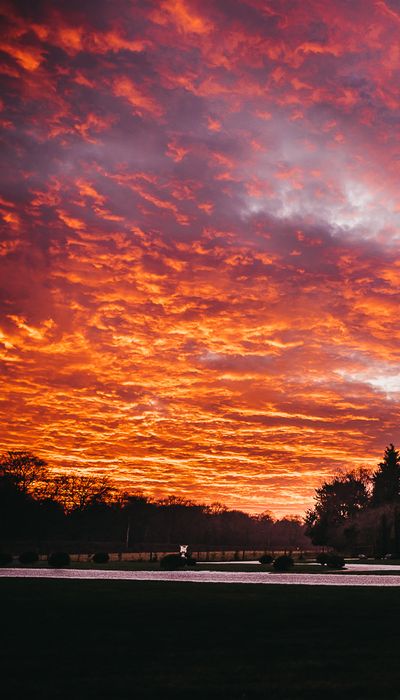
262,577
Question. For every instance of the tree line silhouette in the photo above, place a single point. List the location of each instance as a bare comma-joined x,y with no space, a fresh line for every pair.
354,512
358,512
42,507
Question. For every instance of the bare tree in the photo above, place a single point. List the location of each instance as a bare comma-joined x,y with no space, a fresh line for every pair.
75,492
24,469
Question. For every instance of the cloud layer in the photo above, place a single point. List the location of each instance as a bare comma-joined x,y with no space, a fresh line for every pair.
199,260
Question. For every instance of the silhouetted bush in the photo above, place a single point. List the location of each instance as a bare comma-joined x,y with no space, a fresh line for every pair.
283,563
322,558
59,559
28,557
190,561
266,559
5,558
335,561
101,558
172,562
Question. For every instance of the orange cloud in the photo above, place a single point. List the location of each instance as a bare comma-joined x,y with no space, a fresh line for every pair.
199,271
124,87
182,14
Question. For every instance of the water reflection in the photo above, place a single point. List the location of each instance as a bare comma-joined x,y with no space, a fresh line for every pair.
205,576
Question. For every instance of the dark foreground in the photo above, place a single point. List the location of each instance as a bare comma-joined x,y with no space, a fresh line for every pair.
109,639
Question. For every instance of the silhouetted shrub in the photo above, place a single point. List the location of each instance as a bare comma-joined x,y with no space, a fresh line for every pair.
59,559
172,562
335,561
190,561
266,559
283,563
322,558
28,557
5,558
101,558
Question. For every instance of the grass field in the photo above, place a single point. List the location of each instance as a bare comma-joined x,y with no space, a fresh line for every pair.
108,639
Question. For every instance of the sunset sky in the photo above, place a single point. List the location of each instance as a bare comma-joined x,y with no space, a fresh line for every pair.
199,260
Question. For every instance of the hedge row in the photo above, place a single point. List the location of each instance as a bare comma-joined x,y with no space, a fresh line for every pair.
57,559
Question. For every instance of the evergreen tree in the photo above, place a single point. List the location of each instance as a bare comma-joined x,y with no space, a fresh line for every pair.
386,479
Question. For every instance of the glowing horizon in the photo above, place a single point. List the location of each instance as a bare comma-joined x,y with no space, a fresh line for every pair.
199,264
